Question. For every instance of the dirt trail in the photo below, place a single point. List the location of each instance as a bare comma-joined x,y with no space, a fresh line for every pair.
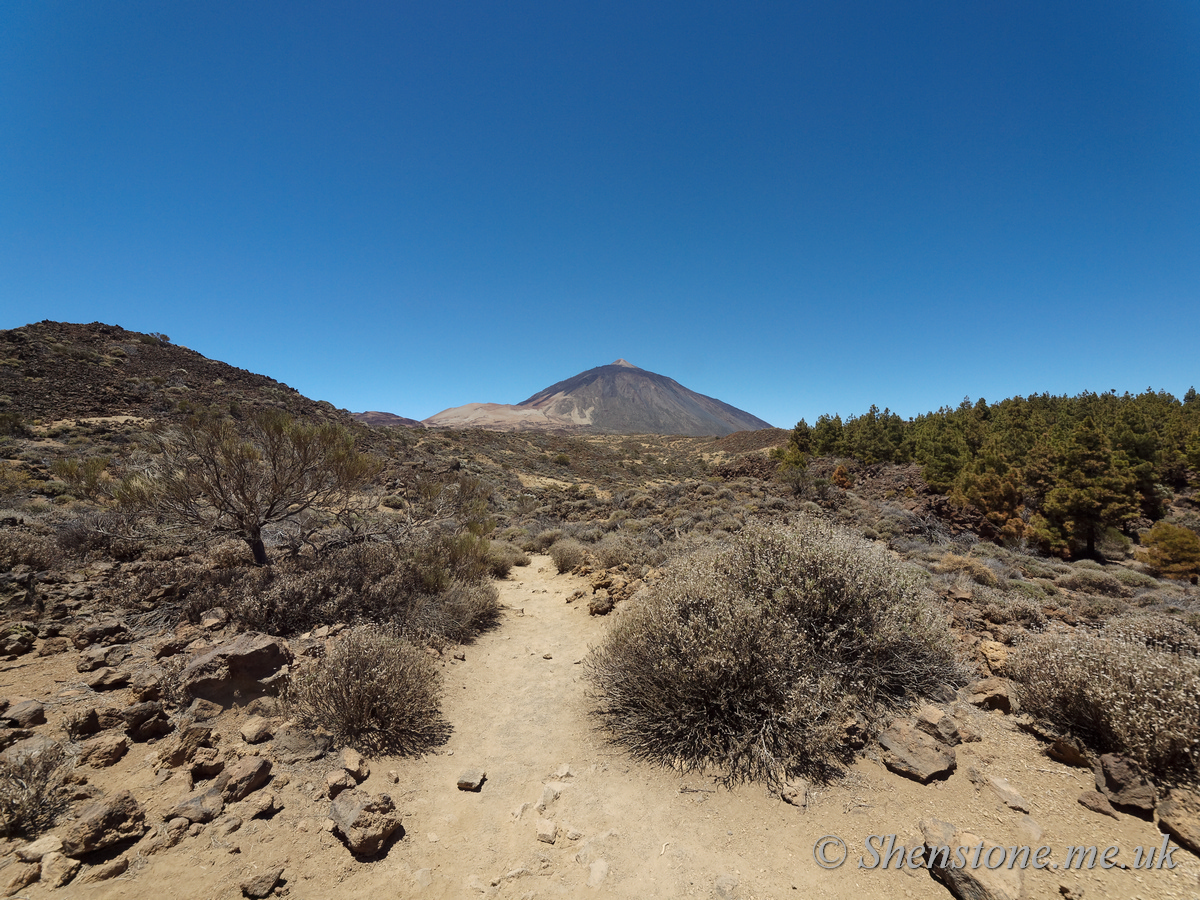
518,707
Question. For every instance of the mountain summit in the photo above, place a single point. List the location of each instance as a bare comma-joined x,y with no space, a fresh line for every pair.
618,398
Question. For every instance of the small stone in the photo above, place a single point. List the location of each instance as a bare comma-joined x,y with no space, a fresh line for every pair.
105,871
1008,794
991,693
1098,803
914,754
547,831
26,714
563,771
995,655
393,776
1179,816
795,793
547,656
597,872
1127,788
574,834
199,807
472,780
243,777
19,877
337,781
58,870
550,793
423,877
104,750
937,724
364,822
262,885
255,730
103,823
726,887
967,883
34,852
352,761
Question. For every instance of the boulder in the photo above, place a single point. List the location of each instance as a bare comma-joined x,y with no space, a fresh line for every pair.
364,822
1127,788
243,666
968,883
1179,816
103,823
914,754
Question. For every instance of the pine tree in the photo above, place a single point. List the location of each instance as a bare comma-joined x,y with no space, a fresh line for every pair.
1094,488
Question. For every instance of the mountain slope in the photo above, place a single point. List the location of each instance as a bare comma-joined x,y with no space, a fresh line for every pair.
618,398
60,370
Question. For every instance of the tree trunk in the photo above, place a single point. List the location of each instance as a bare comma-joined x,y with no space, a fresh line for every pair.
255,542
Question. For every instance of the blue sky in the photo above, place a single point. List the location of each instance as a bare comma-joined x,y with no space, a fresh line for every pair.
795,207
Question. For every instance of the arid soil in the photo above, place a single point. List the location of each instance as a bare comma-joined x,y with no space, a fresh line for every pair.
624,828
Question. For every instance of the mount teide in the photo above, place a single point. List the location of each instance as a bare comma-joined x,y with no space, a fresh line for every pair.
618,398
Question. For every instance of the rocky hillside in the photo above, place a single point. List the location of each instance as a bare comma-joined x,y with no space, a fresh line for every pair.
618,398
57,370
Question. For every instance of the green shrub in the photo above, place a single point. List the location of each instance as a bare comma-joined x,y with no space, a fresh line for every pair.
751,657
1117,695
1172,550
374,691
504,556
567,554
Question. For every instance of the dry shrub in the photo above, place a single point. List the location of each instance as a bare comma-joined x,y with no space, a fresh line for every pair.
374,691
620,549
31,790
107,532
1116,694
567,554
21,546
977,571
366,582
543,540
230,554
1157,631
1088,580
751,657
505,556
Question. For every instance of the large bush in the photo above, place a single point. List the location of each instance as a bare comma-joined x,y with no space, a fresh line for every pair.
751,658
374,691
1120,691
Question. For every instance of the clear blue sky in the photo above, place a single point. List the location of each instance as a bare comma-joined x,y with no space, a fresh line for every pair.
795,207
